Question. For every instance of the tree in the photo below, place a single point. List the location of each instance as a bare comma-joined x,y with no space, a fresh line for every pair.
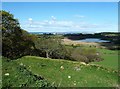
15,41
10,33
48,45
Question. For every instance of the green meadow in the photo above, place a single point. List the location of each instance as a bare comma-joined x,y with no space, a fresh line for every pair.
110,58
64,73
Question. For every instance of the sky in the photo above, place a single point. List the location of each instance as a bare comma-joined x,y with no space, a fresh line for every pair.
60,0
65,16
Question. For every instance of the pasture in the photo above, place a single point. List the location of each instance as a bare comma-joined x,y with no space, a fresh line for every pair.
73,74
110,58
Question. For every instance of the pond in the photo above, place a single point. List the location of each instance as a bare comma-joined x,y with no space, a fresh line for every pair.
92,40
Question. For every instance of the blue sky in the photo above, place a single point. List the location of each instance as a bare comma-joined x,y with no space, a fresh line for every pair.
65,16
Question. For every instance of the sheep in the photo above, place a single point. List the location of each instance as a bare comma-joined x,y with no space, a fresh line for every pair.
7,74
83,63
62,67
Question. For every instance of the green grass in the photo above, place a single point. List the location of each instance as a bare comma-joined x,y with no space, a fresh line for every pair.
96,74
19,76
110,58
87,76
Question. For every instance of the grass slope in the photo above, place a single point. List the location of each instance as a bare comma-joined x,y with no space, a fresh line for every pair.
110,58
15,75
85,76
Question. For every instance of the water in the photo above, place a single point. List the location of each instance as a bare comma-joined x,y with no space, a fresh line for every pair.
92,40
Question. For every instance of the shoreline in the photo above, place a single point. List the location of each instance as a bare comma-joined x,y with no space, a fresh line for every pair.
67,41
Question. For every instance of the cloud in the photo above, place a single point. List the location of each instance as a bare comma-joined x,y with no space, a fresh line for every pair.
54,25
30,19
79,16
53,18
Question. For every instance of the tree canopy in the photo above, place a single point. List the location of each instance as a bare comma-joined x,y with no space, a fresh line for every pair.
15,41
48,44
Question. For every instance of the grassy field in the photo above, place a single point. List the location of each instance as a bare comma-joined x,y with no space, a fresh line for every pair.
63,73
110,58
74,74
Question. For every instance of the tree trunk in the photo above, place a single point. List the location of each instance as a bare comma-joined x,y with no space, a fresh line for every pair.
47,55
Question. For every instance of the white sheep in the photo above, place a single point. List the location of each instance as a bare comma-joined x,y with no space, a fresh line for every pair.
62,67
69,76
21,64
83,63
6,74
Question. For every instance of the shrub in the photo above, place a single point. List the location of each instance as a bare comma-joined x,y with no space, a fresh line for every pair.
84,55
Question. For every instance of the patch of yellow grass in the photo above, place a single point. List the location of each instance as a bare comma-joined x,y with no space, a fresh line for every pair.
71,42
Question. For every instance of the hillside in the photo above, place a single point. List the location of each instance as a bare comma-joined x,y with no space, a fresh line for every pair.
17,75
63,73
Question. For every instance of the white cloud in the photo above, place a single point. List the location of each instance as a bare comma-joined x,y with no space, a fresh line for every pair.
53,18
79,16
30,19
54,25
